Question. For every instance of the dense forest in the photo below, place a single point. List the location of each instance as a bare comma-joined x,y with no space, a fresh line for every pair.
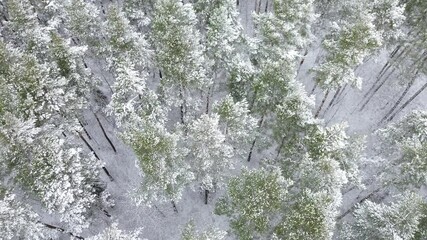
213,119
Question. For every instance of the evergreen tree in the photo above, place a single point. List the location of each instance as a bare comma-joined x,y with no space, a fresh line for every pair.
236,123
179,55
360,29
281,35
18,221
398,220
114,233
405,146
161,159
83,22
209,155
225,43
347,46
39,94
253,201
305,218
189,233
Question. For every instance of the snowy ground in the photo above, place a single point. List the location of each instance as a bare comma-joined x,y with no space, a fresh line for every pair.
161,222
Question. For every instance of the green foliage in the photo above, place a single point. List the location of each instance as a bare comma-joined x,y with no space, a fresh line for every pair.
347,47
405,143
82,20
398,220
253,200
178,51
209,155
189,233
238,125
305,218
161,161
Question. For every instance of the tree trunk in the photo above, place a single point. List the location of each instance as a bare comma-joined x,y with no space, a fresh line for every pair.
106,213
398,101
376,90
408,102
321,104
206,196
105,134
384,70
96,156
89,146
302,60
182,107
253,143
84,129
333,99
280,147
161,213
174,206
208,100
314,88
60,229
108,174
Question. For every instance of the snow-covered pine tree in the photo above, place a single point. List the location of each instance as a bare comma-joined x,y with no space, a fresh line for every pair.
346,47
236,123
34,94
253,202
305,218
210,157
140,117
114,233
398,220
359,29
63,177
189,233
320,161
139,12
123,41
128,57
82,23
161,159
225,43
23,28
18,221
280,37
179,56
404,145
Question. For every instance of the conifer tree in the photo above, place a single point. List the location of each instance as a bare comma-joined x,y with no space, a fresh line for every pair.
179,55
305,218
83,22
60,174
361,28
225,43
253,201
209,155
236,123
405,146
398,220
189,233
114,233
18,221
345,52
161,159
